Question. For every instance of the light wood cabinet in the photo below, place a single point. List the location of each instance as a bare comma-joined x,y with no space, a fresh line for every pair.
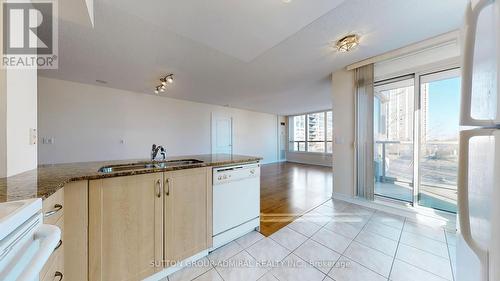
117,228
125,227
75,237
187,213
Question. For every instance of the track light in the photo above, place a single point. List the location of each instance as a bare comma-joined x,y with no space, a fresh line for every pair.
167,79
170,78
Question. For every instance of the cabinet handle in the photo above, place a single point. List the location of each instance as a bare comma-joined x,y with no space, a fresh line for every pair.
59,274
168,187
158,188
58,245
57,208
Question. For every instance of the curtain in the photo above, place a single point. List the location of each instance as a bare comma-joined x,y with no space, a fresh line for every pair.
364,132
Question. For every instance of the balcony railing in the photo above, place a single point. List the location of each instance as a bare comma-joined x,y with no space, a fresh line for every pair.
438,166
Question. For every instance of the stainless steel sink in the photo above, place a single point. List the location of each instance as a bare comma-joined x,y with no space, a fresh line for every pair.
142,166
183,162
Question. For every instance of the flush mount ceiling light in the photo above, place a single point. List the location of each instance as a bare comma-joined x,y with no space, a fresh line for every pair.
165,80
347,43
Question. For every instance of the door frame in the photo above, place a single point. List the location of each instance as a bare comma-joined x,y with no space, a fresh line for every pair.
213,138
418,73
417,127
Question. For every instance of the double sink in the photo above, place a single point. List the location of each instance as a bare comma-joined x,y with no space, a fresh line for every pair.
149,165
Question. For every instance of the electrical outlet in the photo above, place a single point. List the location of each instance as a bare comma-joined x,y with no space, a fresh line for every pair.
33,136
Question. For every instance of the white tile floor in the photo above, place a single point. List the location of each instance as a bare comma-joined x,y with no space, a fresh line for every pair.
336,241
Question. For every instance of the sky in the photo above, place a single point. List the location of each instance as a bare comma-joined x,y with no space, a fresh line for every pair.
444,109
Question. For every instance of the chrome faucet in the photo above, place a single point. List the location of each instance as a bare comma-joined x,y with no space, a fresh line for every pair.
158,149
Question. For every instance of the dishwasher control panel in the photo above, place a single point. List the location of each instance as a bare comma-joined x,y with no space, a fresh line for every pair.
223,175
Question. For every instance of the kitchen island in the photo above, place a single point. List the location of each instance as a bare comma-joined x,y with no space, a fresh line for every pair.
122,223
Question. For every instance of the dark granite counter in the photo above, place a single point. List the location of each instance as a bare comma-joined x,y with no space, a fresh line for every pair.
47,179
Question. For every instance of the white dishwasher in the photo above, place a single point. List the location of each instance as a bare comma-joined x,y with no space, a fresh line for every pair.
236,202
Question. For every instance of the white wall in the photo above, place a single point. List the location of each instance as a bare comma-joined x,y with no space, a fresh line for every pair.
18,114
89,122
21,117
343,132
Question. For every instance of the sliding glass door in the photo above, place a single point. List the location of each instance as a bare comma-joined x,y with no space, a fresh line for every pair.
439,131
416,139
393,139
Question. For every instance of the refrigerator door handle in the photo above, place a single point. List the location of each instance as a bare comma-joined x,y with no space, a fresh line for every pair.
471,19
463,195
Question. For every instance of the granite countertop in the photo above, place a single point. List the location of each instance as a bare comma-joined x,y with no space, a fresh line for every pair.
47,179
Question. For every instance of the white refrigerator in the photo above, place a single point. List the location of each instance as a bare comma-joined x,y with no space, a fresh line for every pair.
478,243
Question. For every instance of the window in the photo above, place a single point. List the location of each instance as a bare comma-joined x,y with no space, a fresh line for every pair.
311,132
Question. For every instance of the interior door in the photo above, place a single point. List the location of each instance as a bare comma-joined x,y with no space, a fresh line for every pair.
222,134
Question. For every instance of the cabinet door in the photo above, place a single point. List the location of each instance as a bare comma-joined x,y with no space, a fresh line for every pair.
125,227
186,215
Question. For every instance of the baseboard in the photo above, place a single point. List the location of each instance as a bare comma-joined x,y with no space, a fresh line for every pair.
310,163
167,271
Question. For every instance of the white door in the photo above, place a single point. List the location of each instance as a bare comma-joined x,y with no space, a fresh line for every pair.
222,134
480,71
478,195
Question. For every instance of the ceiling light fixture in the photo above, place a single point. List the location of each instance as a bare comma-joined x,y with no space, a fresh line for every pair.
348,43
167,79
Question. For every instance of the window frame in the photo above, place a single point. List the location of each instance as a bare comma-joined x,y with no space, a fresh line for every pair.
291,142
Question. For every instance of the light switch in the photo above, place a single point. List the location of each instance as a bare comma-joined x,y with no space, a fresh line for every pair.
33,136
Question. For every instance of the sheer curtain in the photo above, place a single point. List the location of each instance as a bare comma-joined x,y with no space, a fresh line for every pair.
364,132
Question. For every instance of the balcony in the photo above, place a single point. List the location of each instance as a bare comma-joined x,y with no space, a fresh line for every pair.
394,170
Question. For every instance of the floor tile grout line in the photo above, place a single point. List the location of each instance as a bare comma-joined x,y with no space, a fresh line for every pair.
411,246
218,273
423,250
422,269
397,248
449,256
253,243
323,227
310,238
343,253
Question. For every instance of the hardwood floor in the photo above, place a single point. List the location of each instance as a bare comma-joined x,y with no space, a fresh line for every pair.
289,190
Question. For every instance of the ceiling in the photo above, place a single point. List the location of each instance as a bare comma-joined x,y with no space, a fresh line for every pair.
262,55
